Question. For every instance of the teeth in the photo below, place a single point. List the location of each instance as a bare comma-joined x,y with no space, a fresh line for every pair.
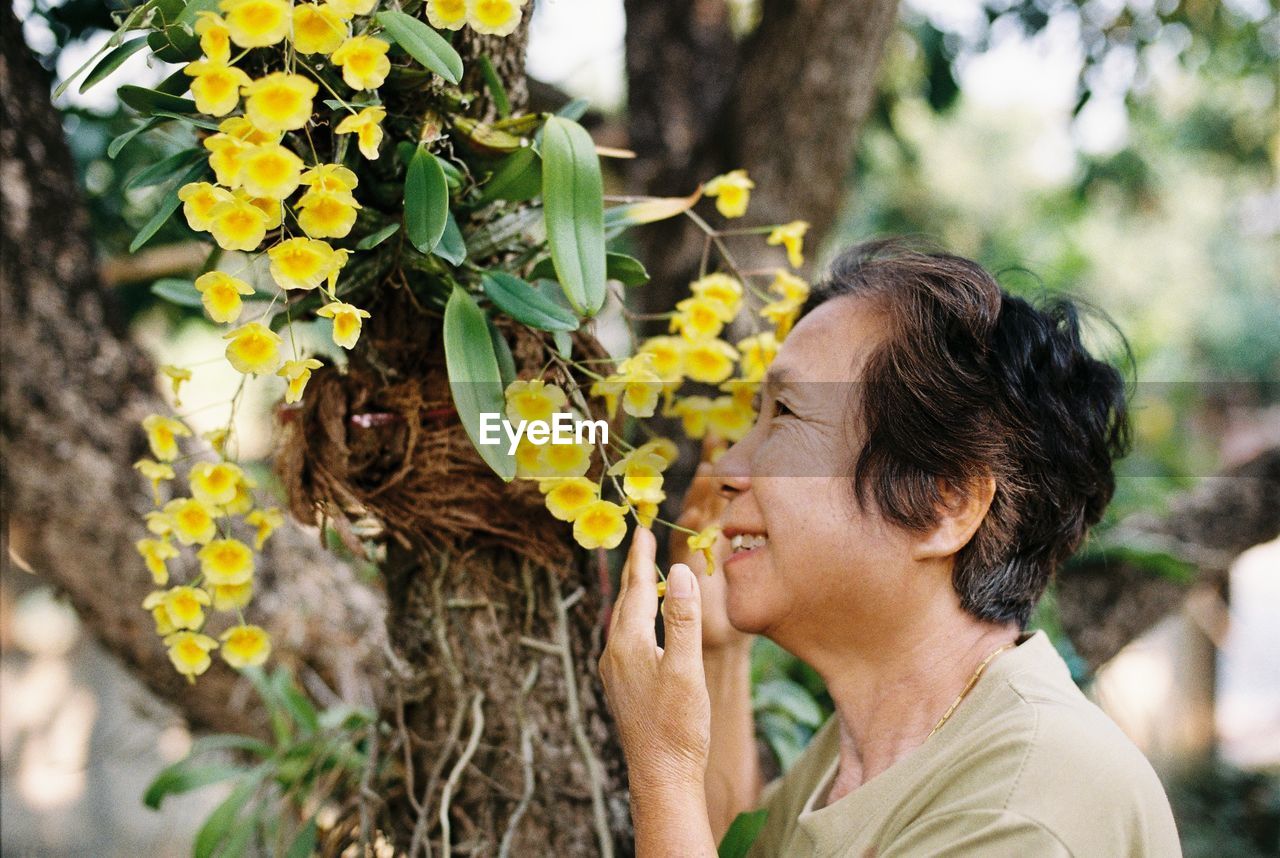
747,541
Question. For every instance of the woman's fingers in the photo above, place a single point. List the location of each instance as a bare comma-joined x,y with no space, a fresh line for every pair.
682,622
637,604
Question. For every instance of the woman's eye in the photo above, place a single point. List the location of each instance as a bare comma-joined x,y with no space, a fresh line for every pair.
780,409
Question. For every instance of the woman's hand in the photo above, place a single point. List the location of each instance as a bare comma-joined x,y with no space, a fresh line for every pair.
703,506
658,695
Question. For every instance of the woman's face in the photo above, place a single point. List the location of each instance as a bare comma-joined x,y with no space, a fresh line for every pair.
828,569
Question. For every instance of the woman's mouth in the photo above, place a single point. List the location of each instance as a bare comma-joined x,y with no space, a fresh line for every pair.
743,544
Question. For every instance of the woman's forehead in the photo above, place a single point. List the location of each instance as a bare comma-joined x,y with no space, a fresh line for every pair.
831,343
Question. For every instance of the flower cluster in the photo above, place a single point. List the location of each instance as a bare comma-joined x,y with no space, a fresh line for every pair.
220,502
489,17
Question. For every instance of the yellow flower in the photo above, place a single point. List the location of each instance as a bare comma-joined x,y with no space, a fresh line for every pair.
562,460
317,29
709,360
703,541
668,356
351,8
217,439
216,86
184,605
177,375
646,511
789,286
692,411
198,202
189,653
214,483
719,289
698,318
304,263
367,128
162,436
226,561
567,498
757,353
782,314
229,597
227,148
215,38
601,524
494,17
732,192
279,101
155,552
192,521
254,349
447,14
331,177
245,646
270,171
346,322
266,521
298,373
237,224
642,476
256,23
156,472
533,400
730,417
273,209
364,62
327,214
243,501
527,454
638,383
790,236
220,293
155,604
158,523
664,448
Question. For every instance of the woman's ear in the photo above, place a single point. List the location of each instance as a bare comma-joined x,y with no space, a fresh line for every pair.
961,514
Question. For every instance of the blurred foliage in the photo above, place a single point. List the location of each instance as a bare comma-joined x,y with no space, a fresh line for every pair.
1223,812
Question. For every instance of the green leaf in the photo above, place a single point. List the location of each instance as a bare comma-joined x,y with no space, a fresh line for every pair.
304,845
789,698
114,147
112,61
197,121
518,178
564,343
184,776
573,204
161,170
222,822
372,240
177,291
742,832
617,266
168,205
297,704
574,110
174,44
521,301
228,742
651,210
423,44
474,377
494,83
502,351
426,200
148,101
452,248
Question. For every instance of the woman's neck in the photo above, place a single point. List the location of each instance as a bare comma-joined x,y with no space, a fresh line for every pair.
889,700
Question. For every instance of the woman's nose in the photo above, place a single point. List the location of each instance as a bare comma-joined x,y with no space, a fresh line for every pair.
730,472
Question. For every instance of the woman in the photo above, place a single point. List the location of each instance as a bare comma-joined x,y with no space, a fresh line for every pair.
928,451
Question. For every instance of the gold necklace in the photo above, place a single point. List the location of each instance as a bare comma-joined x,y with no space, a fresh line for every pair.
973,680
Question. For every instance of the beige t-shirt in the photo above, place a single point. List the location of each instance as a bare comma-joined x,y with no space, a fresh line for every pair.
1026,767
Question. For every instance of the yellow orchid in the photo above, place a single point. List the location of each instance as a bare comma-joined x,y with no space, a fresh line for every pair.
193,521
562,460
331,177
351,8
156,472
601,524
266,521
790,236
226,561
297,373
163,434
703,541
215,37
667,354
447,14
155,552
346,322
245,646
229,597
757,352
304,263
366,125
732,192
237,225
254,349
158,523
215,483
709,360
364,62
184,605
256,23
327,214
567,498
789,286
176,375
273,209
642,476
279,101
270,171
317,29
215,86
220,293
719,289
692,411
198,202
647,511
533,400
730,417
189,653
494,17
698,318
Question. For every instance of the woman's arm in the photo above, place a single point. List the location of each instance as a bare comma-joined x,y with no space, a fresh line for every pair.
733,766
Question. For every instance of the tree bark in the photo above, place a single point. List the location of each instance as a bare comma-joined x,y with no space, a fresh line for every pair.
74,391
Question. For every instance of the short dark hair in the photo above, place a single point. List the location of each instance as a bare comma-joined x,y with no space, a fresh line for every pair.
972,382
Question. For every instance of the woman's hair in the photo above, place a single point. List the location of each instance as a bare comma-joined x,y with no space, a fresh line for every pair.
969,383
